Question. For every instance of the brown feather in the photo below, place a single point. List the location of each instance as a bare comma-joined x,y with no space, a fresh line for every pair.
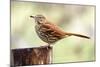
54,28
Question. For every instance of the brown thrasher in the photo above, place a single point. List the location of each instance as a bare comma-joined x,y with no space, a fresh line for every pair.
49,32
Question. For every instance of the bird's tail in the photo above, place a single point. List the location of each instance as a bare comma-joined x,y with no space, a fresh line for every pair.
79,35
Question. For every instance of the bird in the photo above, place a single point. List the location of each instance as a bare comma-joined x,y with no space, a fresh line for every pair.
49,32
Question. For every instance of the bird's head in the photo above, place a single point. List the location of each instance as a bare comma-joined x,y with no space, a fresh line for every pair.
39,19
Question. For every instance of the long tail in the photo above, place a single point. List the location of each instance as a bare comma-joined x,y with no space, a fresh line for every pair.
79,35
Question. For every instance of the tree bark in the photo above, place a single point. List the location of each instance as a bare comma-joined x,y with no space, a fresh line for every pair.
31,56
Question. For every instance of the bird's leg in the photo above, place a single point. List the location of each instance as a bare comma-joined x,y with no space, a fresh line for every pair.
47,45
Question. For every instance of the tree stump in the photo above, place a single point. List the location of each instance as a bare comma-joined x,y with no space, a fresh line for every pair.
31,56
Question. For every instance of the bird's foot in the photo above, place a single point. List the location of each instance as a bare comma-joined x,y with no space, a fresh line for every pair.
46,46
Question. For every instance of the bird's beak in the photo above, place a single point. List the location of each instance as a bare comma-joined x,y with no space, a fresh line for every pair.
32,16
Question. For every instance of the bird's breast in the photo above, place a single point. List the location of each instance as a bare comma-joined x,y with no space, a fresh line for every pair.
46,35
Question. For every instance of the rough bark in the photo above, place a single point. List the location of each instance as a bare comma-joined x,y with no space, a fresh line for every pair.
31,56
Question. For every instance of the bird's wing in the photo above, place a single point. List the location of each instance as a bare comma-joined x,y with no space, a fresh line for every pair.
55,29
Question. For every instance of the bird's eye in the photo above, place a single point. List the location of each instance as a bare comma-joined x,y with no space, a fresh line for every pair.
40,19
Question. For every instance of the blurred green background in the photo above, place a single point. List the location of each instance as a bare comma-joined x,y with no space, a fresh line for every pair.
71,18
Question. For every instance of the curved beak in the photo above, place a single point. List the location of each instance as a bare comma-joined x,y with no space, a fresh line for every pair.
32,16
